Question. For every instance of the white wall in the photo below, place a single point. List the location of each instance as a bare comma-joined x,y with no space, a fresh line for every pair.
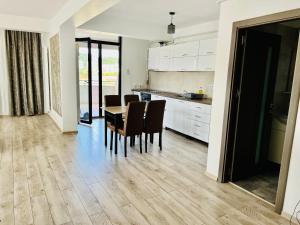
202,28
134,63
4,83
68,76
231,11
22,23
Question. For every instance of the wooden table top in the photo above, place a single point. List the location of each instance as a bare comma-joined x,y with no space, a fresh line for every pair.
115,109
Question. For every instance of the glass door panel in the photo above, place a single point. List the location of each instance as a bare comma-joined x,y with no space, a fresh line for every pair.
110,70
84,81
95,81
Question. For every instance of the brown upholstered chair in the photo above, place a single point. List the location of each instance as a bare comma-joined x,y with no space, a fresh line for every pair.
110,101
133,123
154,120
131,98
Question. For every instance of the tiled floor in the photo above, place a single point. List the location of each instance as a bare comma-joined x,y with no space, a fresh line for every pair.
263,185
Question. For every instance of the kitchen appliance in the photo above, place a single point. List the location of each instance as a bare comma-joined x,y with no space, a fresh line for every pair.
146,97
193,95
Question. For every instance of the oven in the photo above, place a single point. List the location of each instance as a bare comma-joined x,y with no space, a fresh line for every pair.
146,97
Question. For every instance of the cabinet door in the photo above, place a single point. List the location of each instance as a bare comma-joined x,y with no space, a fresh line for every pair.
164,64
208,47
165,52
183,123
185,49
184,64
165,58
153,58
206,62
169,114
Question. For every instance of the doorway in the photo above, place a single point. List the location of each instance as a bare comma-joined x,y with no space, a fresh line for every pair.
99,73
260,107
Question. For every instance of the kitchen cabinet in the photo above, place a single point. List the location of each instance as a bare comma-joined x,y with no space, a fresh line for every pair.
190,56
165,58
186,49
186,117
208,47
206,62
184,64
153,58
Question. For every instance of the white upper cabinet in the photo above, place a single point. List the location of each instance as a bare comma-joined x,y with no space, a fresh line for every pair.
186,49
165,52
206,63
165,58
184,64
190,56
153,58
208,47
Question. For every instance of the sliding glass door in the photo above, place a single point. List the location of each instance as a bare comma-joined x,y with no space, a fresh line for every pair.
84,73
110,70
96,102
99,64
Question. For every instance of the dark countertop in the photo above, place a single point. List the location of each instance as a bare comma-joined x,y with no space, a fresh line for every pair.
206,101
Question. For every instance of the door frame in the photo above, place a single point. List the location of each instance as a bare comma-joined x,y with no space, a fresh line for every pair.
88,41
293,109
100,43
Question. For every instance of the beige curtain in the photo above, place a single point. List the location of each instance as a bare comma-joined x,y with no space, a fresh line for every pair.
24,59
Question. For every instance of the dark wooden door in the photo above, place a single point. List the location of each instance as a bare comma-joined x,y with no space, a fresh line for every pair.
254,92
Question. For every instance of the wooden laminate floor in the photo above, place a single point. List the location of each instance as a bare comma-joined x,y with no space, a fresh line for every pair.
50,178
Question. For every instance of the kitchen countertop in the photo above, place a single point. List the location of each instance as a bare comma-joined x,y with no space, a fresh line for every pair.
206,101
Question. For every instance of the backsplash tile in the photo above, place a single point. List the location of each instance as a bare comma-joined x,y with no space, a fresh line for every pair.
182,81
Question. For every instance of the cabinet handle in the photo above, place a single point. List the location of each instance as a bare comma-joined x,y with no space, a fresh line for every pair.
209,52
199,107
198,126
198,116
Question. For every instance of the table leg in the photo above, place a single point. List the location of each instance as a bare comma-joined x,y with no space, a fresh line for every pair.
116,134
105,130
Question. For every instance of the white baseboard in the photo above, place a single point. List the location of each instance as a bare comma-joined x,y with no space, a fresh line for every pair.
211,176
56,118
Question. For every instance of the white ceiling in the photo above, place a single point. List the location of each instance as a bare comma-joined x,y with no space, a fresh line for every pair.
188,12
44,9
132,17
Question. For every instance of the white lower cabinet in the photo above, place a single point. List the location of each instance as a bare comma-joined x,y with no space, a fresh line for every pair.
186,117
189,118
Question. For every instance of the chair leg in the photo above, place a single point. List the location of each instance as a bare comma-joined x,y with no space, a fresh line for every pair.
146,139
160,142
125,146
141,150
111,139
151,138
131,141
119,136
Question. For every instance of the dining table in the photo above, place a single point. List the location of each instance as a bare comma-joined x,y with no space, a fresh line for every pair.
113,114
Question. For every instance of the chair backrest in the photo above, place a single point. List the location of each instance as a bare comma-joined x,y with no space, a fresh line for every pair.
154,116
134,118
131,98
112,100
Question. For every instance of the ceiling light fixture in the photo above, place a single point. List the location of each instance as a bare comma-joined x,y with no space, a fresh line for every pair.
171,26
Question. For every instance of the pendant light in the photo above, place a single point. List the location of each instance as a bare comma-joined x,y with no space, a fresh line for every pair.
171,26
